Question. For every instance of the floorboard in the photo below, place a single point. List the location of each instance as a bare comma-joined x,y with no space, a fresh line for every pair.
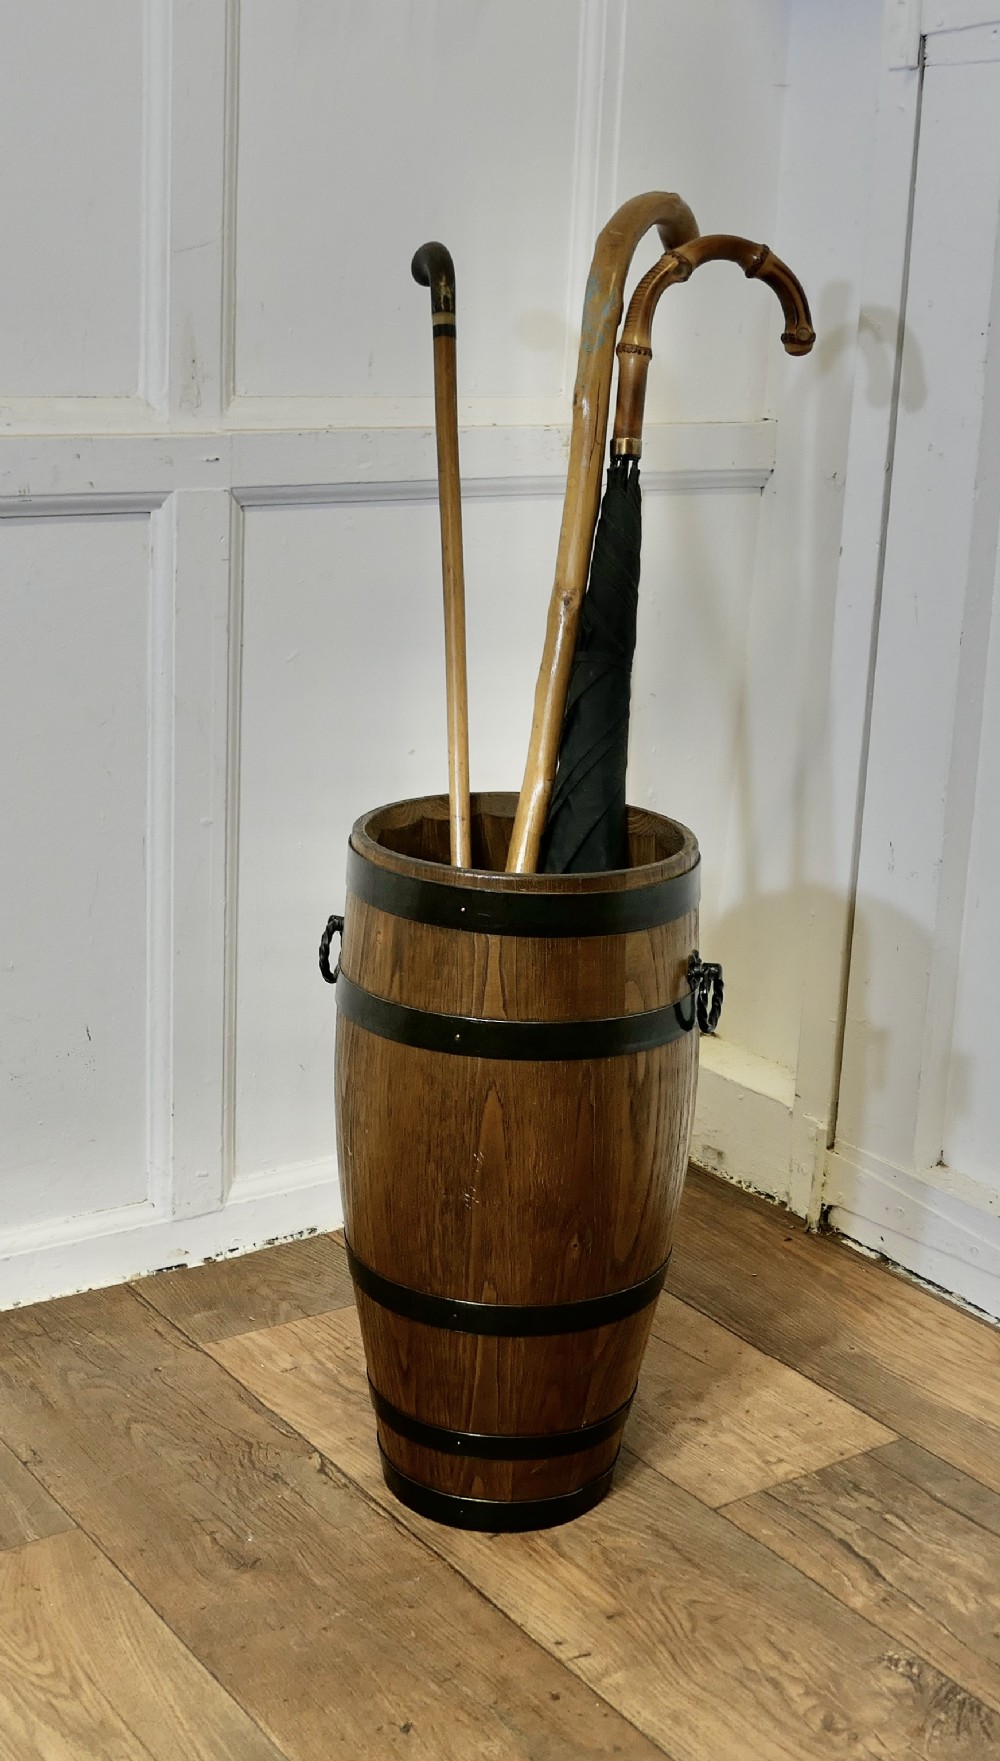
722,1419
87,1669
697,1633
260,1289
800,1558
336,1631
27,1513
921,1366
878,1534
946,1483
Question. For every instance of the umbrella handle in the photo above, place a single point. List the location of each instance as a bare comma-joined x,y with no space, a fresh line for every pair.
432,267
758,262
591,400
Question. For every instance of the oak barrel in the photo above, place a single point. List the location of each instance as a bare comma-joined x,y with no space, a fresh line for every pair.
515,1078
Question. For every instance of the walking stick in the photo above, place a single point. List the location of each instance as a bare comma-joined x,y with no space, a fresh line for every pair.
591,397
432,267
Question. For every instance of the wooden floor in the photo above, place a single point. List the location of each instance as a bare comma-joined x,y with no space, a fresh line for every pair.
801,1556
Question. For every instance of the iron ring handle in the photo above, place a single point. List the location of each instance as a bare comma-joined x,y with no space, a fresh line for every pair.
707,989
334,927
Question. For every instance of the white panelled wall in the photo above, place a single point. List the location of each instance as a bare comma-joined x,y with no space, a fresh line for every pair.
219,576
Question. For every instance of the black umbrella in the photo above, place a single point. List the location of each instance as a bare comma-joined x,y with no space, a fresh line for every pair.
586,829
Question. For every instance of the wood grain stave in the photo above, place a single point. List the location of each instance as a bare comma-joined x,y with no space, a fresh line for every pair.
517,1386
437,1198
470,1382
517,978
509,1182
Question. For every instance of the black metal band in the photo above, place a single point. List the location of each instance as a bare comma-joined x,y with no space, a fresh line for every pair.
518,913
491,1445
494,1515
473,1036
505,1320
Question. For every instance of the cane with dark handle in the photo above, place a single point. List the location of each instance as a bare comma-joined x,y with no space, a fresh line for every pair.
591,400
432,267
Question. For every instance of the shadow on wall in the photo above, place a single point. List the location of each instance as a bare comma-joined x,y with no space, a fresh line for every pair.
788,711
880,1059
875,337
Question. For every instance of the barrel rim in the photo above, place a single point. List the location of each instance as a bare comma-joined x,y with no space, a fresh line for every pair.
553,915
616,880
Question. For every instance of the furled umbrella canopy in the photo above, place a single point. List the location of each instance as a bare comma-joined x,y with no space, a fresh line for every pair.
585,829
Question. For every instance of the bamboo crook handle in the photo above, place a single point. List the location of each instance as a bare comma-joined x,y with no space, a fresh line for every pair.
591,398
432,267
758,262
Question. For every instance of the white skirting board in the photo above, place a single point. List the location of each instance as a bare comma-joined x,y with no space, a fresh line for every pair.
111,1247
936,1235
743,1121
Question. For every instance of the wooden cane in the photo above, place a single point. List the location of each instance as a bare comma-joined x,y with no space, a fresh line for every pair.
591,399
432,267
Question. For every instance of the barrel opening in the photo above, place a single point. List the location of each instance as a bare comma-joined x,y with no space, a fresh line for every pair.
419,829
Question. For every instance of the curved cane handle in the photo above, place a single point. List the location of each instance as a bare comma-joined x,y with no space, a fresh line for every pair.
758,262
602,312
432,267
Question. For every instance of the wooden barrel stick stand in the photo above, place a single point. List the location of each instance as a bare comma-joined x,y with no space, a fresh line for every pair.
515,1077
515,1070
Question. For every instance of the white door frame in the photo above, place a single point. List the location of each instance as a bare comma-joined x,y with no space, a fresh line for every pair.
937,446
